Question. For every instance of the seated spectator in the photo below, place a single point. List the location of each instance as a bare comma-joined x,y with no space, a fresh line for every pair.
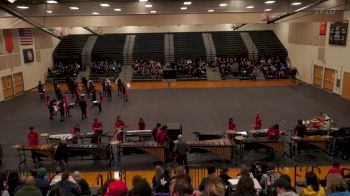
335,169
180,187
84,186
41,180
224,176
214,187
115,188
158,176
211,173
3,191
313,188
13,182
243,171
268,178
29,188
245,187
65,185
283,188
336,185
58,177
180,172
140,188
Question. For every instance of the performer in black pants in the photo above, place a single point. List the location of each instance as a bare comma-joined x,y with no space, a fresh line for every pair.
181,149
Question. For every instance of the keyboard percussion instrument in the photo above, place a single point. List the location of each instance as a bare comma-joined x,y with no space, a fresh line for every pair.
220,147
150,147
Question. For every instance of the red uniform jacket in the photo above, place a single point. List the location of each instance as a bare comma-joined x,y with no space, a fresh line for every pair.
231,125
33,138
257,122
97,126
162,136
272,132
75,131
118,124
142,126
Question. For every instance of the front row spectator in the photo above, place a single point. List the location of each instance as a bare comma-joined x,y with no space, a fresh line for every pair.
140,187
214,187
283,188
3,191
245,187
211,173
84,186
336,185
67,187
313,188
29,188
180,187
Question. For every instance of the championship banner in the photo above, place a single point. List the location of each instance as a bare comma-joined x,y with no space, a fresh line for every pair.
28,55
8,40
323,28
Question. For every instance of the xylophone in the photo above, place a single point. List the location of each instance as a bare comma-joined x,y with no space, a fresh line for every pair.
323,142
135,135
97,151
56,138
42,150
150,147
221,147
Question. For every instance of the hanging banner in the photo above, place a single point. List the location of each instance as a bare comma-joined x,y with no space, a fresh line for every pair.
323,28
8,40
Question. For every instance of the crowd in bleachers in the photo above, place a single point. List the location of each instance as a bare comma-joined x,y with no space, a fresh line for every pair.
274,67
149,67
105,66
62,70
192,67
234,66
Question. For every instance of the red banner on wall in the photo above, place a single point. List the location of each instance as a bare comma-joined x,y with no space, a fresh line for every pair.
8,40
323,28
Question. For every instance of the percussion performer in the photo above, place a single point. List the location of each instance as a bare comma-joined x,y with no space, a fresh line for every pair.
257,121
180,149
41,91
51,109
77,94
125,92
83,106
100,101
274,131
61,154
109,91
119,86
155,130
119,126
76,130
61,109
66,103
162,135
231,127
300,130
141,125
33,140
97,127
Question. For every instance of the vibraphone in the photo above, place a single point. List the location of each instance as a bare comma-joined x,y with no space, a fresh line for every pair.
89,136
221,147
323,142
86,151
41,150
150,147
56,138
135,135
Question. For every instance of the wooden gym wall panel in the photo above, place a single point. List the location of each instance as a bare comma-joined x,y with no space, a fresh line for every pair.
18,83
346,86
328,82
318,76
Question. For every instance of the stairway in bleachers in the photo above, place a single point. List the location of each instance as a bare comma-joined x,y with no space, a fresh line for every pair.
249,44
69,49
109,46
209,46
149,46
268,44
168,48
87,50
229,43
189,45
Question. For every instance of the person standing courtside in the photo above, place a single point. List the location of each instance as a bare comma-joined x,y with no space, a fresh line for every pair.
119,126
300,131
83,106
33,140
41,91
180,149
61,155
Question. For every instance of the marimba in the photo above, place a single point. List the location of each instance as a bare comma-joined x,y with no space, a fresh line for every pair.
90,135
41,150
135,135
150,147
277,144
323,142
56,138
85,151
221,147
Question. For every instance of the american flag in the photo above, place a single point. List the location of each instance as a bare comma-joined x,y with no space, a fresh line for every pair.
25,36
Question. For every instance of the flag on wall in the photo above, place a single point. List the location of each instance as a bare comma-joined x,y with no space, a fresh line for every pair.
28,55
8,40
25,36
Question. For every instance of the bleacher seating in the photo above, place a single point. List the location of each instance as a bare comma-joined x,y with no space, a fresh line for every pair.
148,46
268,44
229,44
189,45
109,46
69,49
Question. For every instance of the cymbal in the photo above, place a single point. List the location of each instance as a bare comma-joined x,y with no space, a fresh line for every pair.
44,134
16,146
114,142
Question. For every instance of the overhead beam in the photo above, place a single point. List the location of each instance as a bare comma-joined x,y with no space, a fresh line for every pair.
90,30
25,19
239,26
273,20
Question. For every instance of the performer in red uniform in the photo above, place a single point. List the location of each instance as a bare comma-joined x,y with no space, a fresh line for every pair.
257,121
76,130
119,126
33,140
97,127
162,135
231,127
274,131
66,104
141,125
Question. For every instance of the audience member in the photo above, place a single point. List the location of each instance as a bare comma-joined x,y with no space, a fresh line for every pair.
224,176
211,173
180,187
245,187
336,185
29,188
140,188
335,169
283,188
3,191
158,176
58,177
180,172
13,181
41,180
105,65
65,185
214,187
313,188
84,186
152,67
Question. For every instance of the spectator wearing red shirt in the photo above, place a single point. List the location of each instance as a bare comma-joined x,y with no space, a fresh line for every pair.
116,188
335,169
33,140
162,135
119,125
257,121
274,131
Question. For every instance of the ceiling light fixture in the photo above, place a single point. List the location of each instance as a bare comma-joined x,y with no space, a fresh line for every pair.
11,1
73,8
269,2
183,8
148,5
104,5
210,10
223,4
267,10
296,3
22,7
153,11
143,0
187,3
51,1
95,13
250,7
117,9
49,11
